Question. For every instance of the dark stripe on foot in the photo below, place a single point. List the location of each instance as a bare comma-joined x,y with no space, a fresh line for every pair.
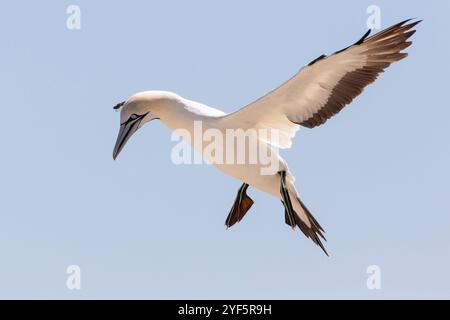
240,206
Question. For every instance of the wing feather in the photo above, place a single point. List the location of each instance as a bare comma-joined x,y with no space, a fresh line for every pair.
324,87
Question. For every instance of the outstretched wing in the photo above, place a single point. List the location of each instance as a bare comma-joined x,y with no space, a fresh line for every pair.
325,86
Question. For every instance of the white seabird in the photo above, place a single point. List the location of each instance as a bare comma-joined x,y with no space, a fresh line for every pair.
315,94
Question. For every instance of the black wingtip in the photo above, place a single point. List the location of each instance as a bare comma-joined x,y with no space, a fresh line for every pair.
405,21
317,59
416,22
363,37
357,42
413,23
323,249
411,19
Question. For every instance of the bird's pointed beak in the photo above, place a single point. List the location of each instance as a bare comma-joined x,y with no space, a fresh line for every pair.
127,129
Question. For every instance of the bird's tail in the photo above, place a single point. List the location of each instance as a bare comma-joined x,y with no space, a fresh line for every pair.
296,214
312,230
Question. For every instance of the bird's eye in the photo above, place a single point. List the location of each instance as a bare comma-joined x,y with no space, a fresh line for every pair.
134,116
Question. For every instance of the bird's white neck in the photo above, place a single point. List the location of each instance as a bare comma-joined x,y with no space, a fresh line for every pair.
177,112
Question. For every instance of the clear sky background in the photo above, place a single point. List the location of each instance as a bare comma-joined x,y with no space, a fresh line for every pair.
376,176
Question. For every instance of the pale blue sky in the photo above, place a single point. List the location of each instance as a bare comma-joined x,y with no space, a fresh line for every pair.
376,176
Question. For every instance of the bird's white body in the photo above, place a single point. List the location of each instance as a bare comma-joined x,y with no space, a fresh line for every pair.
178,113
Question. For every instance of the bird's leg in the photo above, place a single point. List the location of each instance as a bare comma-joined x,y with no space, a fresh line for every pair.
286,200
240,207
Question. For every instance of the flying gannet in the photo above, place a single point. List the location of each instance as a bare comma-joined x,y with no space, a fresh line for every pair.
315,94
